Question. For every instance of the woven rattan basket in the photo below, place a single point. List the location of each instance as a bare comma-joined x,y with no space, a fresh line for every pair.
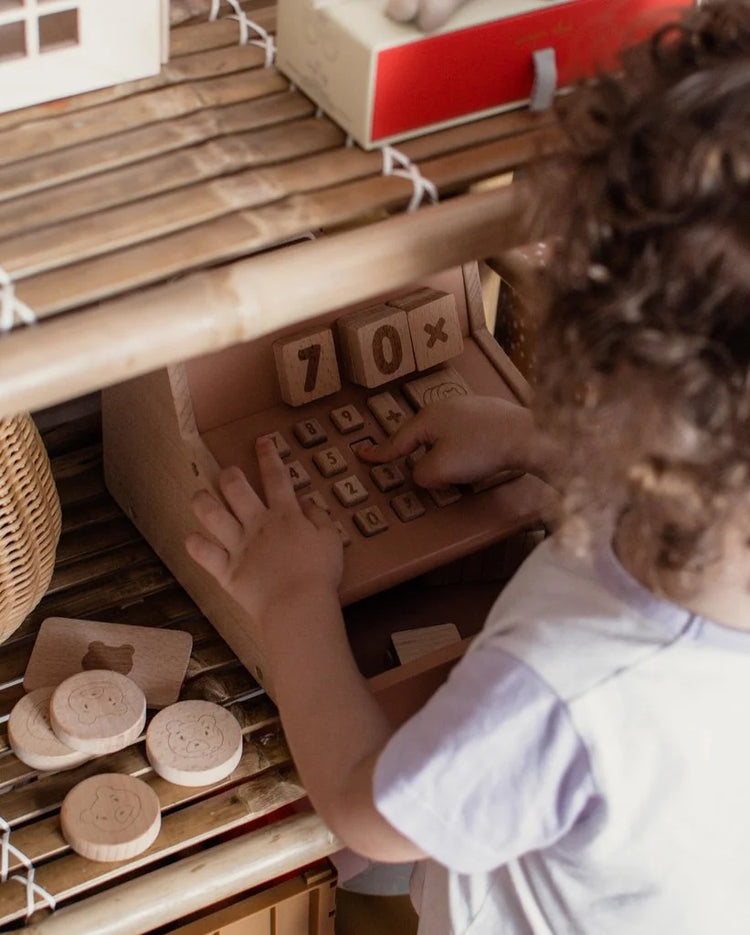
29,521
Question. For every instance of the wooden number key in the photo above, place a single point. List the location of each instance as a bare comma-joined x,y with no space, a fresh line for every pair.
433,324
110,816
376,344
306,366
194,743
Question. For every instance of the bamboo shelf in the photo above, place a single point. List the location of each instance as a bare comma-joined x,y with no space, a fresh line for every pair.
104,570
149,222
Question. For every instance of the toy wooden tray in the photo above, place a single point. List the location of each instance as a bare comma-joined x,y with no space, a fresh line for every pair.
227,838
215,159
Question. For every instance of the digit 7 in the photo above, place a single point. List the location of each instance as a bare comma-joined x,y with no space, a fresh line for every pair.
311,354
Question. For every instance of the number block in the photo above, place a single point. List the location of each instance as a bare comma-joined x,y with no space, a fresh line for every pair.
433,324
306,366
376,345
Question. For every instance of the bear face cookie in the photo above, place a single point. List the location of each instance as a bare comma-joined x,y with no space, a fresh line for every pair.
31,736
110,816
194,743
98,711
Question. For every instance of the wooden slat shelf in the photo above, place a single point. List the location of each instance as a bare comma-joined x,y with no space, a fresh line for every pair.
200,171
130,587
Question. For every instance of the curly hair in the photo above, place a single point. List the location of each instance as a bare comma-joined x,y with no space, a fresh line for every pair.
644,354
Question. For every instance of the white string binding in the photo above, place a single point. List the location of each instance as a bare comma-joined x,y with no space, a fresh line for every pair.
33,889
12,310
265,40
393,158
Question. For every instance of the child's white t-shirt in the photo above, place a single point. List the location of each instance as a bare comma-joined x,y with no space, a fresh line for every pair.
585,770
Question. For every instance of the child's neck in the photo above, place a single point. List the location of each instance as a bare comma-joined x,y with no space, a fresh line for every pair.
722,595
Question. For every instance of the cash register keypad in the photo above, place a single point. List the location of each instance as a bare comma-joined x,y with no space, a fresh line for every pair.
335,479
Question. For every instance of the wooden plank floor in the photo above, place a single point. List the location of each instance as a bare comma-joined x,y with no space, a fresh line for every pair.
105,571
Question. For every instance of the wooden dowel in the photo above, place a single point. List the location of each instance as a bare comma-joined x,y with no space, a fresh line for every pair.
206,311
162,895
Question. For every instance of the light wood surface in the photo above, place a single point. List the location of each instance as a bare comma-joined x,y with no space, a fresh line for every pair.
97,711
376,345
156,660
110,817
194,743
31,736
433,324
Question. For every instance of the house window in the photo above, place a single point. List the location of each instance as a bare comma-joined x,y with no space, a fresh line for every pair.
33,27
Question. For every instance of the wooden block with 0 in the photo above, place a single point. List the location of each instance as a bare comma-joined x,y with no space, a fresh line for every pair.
433,324
376,345
306,366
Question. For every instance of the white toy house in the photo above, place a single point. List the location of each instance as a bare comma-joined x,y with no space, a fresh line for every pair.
50,49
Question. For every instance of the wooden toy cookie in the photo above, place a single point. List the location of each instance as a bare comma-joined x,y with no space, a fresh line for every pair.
31,736
110,816
98,711
194,743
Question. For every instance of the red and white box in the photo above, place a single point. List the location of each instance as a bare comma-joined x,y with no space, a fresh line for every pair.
383,81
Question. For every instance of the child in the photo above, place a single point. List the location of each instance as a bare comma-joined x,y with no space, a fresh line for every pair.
585,768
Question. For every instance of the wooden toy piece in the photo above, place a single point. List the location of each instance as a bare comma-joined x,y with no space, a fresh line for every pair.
441,384
110,816
194,743
411,644
306,366
376,345
389,413
407,506
31,736
433,324
97,711
155,659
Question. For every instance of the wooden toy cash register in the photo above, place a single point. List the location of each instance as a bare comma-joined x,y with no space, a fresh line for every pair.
320,390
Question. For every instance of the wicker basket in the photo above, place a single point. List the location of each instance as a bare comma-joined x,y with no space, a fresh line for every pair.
29,521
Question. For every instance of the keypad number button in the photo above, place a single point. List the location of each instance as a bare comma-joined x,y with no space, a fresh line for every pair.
387,477
309,433
317,498
330,461
282,445
350,491
347,419
407,506
444,496
298,475
370,521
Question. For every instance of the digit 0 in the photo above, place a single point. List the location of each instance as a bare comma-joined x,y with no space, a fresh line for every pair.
387,335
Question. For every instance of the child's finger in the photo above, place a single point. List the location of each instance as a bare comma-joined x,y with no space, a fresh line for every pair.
242,500
276,481
217,519
411,435
319,517
208,555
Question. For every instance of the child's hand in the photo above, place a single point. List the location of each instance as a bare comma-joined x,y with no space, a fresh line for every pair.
260,553
467,439
426,14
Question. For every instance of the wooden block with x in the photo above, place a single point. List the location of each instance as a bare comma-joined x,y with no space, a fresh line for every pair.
433,324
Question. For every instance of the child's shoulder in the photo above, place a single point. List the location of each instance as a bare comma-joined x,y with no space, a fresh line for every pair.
562,618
